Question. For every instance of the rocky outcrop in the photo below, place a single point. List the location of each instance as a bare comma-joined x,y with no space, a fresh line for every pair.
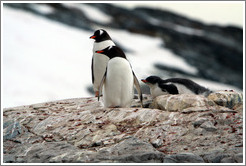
178,128
228,99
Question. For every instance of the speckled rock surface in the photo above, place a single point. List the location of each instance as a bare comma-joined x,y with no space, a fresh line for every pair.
81,130
226,98
182,102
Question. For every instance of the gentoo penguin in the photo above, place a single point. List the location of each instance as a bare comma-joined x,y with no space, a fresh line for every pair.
174,86
118,80
99,62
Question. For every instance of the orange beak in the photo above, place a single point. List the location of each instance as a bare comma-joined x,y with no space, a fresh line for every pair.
92,37
143,80
99,51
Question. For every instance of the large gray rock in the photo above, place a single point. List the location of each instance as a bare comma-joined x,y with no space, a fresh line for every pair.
45,151
81,130
131,150
183,158
174,103
11,129
187,103
226,98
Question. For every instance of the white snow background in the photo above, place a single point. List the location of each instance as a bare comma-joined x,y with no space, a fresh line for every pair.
43,60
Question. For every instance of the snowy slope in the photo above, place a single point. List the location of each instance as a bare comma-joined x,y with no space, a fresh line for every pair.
44,60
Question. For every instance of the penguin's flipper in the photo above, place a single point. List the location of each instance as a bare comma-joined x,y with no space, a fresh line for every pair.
101,85
170,88
92,71
136,83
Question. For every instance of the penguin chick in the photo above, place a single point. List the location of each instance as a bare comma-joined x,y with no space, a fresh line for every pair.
118,80
174,86
99,62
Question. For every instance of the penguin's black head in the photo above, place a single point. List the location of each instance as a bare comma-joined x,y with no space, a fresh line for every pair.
112,52
100,35
151,80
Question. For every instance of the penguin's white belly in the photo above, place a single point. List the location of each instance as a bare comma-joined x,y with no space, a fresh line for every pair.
100,62
156,91
118,87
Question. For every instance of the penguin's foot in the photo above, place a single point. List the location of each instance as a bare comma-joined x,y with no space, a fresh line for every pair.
96,93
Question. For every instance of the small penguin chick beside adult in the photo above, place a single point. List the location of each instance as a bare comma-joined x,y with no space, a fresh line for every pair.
99,61
174,86
119,80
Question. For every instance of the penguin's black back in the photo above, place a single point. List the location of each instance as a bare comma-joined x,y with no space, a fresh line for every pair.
170,88
191,85
114,51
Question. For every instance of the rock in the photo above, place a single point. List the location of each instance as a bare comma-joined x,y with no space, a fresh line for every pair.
227,160
183,102
239,158
199,121
183,158
157,143
218,156
12,129
209,126
81,130
9,158
128,150
226,98
132,150
44,152
238,107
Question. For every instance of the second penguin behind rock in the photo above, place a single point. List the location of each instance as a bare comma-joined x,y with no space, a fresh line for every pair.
174,86
118,80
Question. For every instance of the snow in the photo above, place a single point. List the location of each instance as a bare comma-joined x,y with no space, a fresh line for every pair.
91,12
43,60
215,86
188,31
43,9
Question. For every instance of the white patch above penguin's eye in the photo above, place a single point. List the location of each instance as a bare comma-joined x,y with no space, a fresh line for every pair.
100,32
110,47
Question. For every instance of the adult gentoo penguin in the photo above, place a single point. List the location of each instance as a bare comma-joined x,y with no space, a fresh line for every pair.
118,80
174,86
99,61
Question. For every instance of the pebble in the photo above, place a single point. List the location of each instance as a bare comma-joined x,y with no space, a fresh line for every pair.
208,126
